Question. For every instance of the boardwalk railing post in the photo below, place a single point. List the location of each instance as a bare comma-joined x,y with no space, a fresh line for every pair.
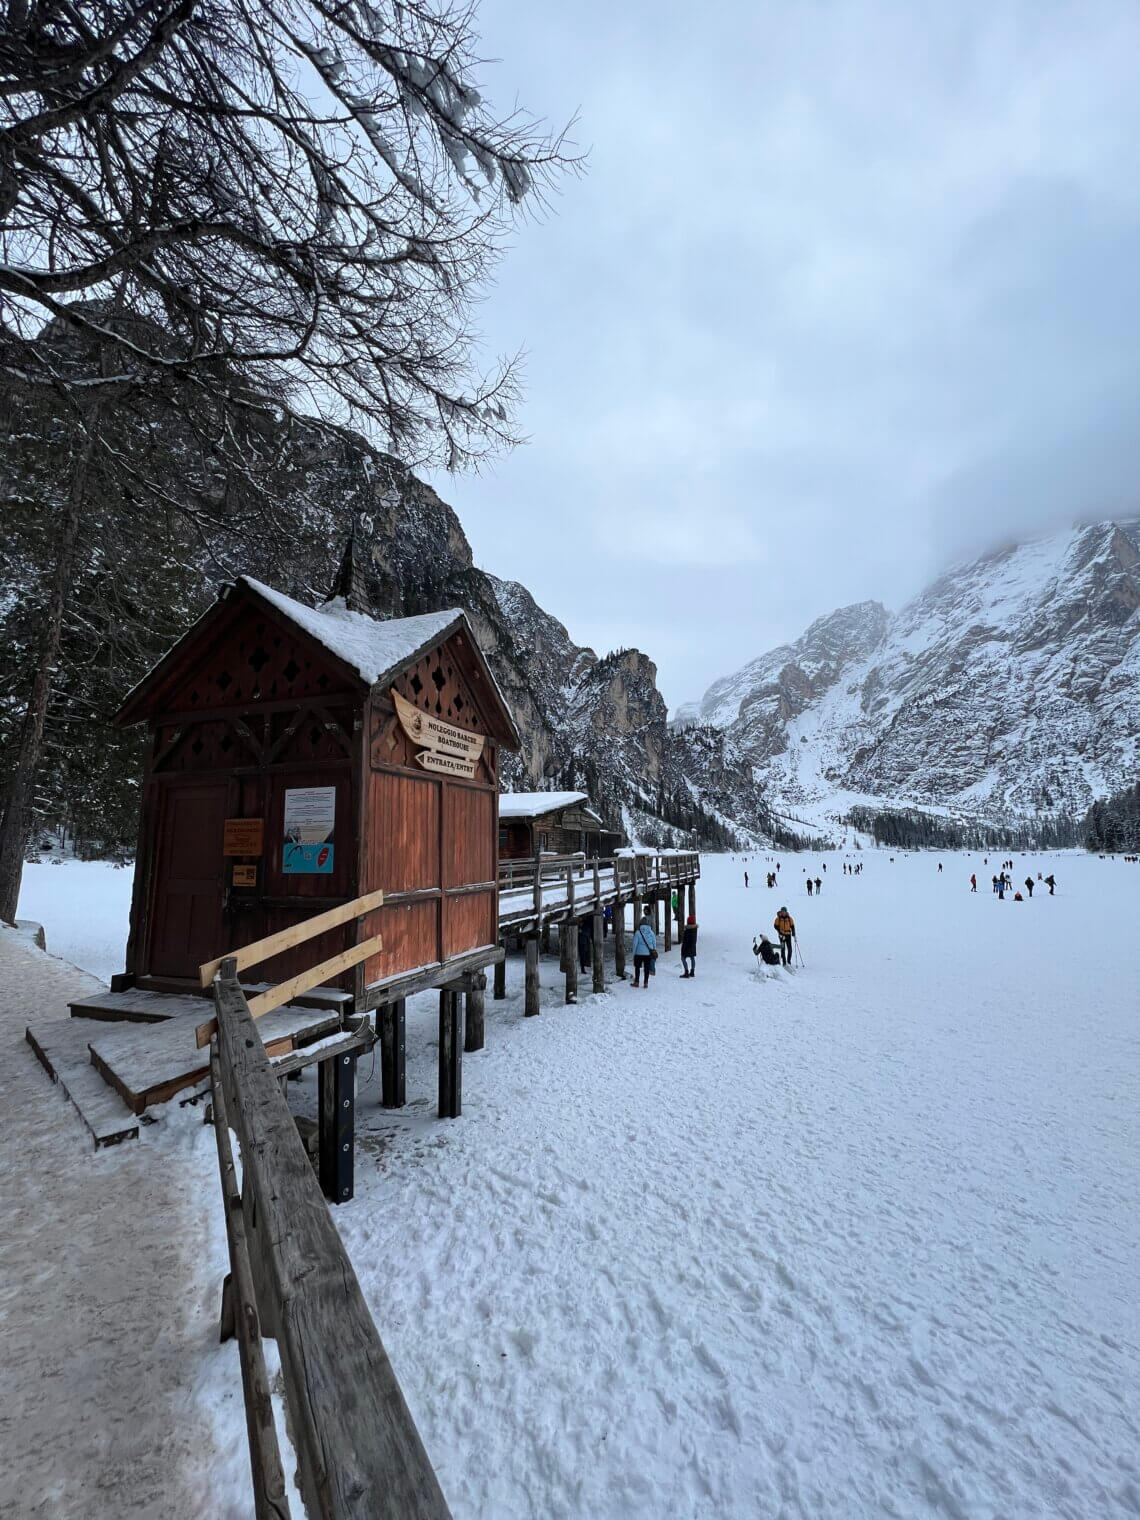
599,966
570,924
450,1056
619,940
530,996
393,1053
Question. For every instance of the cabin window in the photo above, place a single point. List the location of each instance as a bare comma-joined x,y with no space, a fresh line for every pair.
502,839
544,841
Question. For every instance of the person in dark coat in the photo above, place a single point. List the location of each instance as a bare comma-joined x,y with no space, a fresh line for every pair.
766,950
1029,885
1050,883
689,949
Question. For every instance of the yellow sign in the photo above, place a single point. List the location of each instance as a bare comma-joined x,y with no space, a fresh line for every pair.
446,748
245,876
243,836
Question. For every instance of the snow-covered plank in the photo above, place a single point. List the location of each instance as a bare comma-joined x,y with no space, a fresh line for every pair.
148,1064
61,1048
136,1006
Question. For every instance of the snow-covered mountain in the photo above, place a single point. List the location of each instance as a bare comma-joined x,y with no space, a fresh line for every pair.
1008,688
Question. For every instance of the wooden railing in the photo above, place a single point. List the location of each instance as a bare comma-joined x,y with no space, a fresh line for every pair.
580,879
357,1448
287,939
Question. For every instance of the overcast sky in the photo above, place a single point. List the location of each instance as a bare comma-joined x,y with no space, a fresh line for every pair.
848,290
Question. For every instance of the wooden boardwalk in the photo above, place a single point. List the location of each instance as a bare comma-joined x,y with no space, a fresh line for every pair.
563,891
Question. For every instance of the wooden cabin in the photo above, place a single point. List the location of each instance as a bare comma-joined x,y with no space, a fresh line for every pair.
556,823
302,757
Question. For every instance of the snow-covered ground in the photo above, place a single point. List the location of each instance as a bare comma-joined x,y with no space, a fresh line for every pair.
860,1240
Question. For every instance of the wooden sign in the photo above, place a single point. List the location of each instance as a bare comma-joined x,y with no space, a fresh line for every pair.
445,748
245,876
243,836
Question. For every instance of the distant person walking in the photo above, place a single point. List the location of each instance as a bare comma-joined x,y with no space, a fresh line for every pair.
818,886
785,926
746,878
940,868
1029,885
809,886
644,950
689,949
1050,883
973,882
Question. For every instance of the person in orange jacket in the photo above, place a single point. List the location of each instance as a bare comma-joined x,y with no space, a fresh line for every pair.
785,926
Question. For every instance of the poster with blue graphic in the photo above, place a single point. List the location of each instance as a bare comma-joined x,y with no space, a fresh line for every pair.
310,817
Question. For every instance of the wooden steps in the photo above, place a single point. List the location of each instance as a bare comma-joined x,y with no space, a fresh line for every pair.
146,1065
61,1047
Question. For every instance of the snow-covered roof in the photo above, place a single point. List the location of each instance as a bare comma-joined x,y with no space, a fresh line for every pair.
372,648
534,804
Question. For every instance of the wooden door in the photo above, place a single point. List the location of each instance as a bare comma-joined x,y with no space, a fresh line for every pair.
188,879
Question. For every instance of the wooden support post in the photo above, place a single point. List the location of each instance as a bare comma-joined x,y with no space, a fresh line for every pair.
450,1056
599,951
656,917
693,899
336,1078
619,940
473,1034
571,965
668,922
500,991
530,996
544,945
392,1020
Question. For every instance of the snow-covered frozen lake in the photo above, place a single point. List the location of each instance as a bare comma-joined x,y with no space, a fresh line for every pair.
857,1241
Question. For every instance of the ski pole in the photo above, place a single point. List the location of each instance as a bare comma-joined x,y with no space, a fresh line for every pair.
799,952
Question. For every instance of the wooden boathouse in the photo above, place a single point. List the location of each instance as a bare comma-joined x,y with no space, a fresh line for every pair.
556,823
300,758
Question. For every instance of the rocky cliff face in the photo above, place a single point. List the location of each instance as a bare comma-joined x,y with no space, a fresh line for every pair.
1007,689
598,723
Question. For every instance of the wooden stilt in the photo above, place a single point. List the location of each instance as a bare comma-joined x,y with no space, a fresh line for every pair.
545,946
571,967
599,952
500,991
530,996
473,1033
450,1056
619,940
336,1079
391,1018
692,899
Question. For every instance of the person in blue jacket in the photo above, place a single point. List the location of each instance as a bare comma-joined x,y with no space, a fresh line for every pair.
644,951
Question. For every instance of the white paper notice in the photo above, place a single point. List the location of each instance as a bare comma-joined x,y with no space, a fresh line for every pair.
310,814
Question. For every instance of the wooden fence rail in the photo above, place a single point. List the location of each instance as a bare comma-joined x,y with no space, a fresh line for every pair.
561,881
358,1451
